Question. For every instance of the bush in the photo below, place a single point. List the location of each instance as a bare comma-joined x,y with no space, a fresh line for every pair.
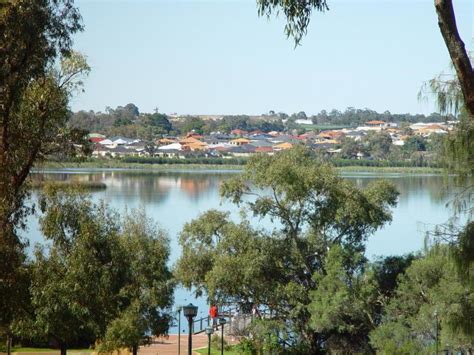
216,343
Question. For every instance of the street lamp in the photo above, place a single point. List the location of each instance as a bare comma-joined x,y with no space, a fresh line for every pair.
436,320
209,332
190,311
222,322
178,309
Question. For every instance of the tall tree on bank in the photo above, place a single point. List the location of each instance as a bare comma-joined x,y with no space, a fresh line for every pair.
103,280
33,111
313,211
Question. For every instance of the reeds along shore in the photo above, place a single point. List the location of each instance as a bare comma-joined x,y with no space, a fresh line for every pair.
88,185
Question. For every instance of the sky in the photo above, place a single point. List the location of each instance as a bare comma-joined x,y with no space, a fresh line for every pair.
219,57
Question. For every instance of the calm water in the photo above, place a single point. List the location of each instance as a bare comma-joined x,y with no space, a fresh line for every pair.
174,198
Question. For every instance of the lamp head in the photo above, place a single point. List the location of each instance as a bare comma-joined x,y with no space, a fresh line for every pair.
190,311
222,321
209,330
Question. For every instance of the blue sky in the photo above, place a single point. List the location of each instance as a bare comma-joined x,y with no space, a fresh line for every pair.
219,57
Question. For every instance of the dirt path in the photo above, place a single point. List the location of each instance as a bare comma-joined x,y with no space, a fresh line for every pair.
169,345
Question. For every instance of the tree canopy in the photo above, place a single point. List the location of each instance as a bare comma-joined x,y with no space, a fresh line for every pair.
34,93
312,211
104,278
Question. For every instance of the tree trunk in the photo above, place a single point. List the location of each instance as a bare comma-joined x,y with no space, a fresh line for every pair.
9,344
457,51
135,350
63,349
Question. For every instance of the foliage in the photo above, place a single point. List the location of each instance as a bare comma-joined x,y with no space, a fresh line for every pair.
297,13
312,209
149,289
429,285
102,277
34,93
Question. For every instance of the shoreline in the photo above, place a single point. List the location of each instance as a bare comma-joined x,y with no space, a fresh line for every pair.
138,167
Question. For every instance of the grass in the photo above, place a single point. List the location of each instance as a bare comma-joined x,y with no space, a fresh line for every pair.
89,185
38,350
115,164
390,169
215,351
111,164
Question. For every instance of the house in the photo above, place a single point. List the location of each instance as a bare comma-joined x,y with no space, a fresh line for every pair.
375,123
330,135
239,141
194,135
119,140
107,143
170,147
282,146
95,137
165,141
266,150
245,150
195,146
355,135
238,132
258,144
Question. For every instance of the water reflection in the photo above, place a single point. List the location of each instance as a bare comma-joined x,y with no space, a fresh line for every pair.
174,198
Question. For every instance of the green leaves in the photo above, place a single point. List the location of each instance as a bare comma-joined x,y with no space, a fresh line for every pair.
429,285
310,265
297,13
102,275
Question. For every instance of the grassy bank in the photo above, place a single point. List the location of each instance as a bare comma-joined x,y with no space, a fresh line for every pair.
390,170
119,164
47,350
214,351
88,185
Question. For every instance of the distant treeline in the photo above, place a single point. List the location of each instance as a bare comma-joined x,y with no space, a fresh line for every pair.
129,121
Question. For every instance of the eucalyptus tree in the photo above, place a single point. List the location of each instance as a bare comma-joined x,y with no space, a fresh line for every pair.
431,291
311,209
147,293
34,96
103,279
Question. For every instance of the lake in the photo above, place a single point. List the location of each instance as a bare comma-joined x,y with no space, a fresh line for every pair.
175,197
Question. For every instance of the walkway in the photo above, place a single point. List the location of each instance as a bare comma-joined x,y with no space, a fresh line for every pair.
169,345
160,346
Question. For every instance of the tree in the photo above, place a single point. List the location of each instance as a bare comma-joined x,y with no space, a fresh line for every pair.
312,209
148,292
104,278
33,111
379,144
350,298
160,121
350,148
75,283
457,51
415,144
429,285
345,303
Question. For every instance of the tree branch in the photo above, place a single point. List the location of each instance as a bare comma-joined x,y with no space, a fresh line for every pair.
457,51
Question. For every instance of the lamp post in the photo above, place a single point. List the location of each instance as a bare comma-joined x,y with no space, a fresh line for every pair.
222,322
436,328
190,311
209,332
178,309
